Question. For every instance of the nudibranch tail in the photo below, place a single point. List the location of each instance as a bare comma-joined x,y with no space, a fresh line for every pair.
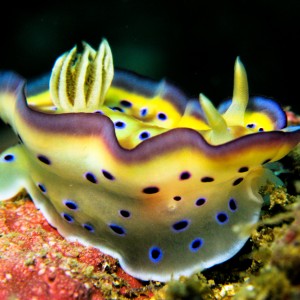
11,86
134,168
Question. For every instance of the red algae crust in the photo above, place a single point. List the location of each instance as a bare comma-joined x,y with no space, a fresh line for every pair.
37,263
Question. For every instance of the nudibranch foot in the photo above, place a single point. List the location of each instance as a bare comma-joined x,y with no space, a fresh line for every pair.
14,167
134,168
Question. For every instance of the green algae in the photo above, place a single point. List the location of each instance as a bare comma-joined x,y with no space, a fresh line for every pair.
186,288
270,283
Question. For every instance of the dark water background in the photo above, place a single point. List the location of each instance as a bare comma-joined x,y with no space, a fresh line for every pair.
191,43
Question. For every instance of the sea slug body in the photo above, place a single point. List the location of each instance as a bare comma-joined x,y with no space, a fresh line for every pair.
132,167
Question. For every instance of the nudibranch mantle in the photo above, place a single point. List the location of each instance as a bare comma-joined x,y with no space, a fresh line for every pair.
134,168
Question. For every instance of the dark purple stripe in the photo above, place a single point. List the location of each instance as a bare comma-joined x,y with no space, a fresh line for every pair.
100,126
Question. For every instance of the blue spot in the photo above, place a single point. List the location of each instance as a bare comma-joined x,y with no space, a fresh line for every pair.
155,254
162,116
124,213
232,204
125,103
251,125
70,204
42,188
181,225
222,218
120,125
99,112
237,181
91,177
243,169
9,157
107,175
44,159
144,135
143,112
200,201
88,227
117,229
185,175
151,190
117,109
196,244
68,217
207,179
260,129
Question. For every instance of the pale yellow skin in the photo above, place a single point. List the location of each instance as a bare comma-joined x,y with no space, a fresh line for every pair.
83,171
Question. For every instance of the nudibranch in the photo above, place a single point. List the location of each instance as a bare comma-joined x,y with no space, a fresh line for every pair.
133,167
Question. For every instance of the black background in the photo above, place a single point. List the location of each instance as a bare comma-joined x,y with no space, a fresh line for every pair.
191,43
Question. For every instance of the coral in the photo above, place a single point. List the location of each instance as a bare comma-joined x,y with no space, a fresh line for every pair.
37,263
